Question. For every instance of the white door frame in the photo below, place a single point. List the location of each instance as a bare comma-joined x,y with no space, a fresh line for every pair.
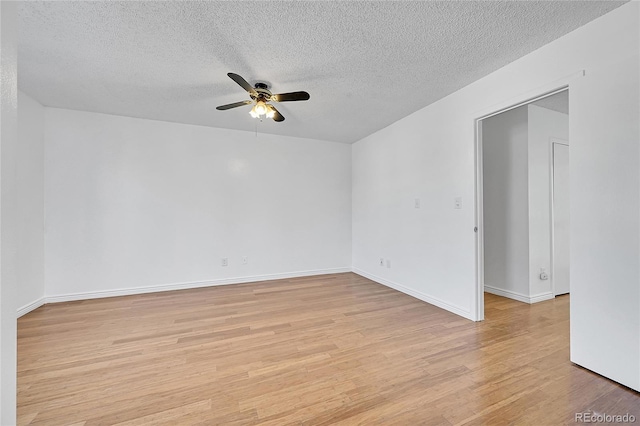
533,96
552,142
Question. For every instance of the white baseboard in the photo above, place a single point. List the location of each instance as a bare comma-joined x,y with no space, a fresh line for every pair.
507,293
418,295
239,280
183,286
31,306
541,297
518,296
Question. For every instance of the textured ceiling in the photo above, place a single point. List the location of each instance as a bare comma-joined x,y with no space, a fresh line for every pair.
558,102
365,64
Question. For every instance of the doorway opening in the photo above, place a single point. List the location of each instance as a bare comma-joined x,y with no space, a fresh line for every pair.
523,200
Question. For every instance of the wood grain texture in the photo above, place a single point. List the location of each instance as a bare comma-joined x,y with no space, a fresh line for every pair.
326,350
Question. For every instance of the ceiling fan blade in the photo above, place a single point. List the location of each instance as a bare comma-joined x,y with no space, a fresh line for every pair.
243,83
276,114
289,97
234,105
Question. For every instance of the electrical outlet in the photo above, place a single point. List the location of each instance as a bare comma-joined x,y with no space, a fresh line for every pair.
225,261
388,263
381,262
457,203
245,260
543,274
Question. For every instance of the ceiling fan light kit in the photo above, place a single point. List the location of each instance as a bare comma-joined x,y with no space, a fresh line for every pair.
260,109
261,96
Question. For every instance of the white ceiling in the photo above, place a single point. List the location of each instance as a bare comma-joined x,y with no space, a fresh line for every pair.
365,64
558,102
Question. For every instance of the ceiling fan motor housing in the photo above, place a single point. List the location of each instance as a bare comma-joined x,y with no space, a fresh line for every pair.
263,92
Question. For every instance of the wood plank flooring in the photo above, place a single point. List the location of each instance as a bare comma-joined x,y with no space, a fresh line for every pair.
327,350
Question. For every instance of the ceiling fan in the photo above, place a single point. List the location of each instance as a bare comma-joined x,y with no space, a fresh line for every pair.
261,96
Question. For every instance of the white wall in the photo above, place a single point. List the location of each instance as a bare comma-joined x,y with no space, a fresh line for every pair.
506,204
605,231
430,154
8,212
30,203
544,124
134,205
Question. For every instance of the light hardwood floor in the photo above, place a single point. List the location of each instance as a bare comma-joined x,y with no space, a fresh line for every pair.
333,349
